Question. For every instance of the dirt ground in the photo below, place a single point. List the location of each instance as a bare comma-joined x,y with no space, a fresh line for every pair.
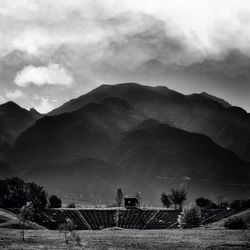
129,239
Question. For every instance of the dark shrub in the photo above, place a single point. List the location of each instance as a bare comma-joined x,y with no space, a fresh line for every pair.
54,202
224,205
247,203
165,199
203,202
235,223
72,205
240,204
214,206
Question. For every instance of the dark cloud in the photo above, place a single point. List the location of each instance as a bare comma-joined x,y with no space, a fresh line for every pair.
191,48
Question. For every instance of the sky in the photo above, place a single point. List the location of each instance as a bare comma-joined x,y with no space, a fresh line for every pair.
53,51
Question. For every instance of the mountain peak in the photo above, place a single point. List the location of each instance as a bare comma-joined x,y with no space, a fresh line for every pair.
105,87
11,106
35,113
121,84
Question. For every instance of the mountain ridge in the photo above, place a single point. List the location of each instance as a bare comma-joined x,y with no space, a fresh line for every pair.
227,126
113,143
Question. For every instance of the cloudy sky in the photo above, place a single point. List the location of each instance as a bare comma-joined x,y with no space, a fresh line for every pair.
52,51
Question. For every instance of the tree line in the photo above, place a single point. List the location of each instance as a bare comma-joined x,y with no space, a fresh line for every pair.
26,199
176,197
16,193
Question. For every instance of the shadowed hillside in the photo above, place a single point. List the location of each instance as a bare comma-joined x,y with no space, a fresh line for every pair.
102,146
13,121
200,113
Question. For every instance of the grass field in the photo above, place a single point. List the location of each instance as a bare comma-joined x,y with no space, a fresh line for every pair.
129,239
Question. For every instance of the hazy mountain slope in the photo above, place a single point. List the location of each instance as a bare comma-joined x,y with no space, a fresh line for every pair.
101,147
86,133
131,92
227,126
164,157
86,179
13,121
122,142
55,140
165,151
114,115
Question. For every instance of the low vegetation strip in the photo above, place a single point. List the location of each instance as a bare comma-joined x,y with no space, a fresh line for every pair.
128,239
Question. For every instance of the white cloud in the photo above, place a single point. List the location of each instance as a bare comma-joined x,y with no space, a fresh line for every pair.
116,40
53,74
32,41
2,100
14,94
91,27
35,26
44,106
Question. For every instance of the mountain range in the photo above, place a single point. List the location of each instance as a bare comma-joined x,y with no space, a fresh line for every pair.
136,137
199,113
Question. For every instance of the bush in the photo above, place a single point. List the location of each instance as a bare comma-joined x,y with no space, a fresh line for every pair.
190,217
247,203
67,229
76,239
237,204
240,204
26,214
72,205
224,205
165,199
214,206
235,223
203,202
55,202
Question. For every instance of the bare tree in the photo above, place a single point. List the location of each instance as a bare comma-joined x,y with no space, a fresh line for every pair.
26,214
67,229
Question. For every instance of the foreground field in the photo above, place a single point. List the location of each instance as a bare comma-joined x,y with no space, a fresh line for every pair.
129,239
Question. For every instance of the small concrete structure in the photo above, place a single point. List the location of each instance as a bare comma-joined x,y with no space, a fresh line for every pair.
131,203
